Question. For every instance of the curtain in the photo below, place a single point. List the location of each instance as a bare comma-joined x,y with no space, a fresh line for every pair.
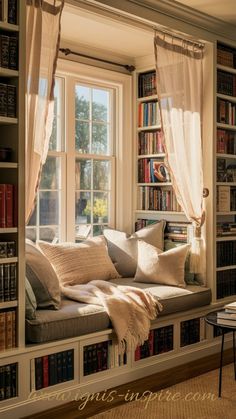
179,86
42,45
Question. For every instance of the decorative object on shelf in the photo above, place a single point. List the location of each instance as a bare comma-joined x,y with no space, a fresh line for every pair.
5,154
179,88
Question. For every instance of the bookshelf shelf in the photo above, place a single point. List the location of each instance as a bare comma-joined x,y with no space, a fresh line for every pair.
226,183
5,26
226,97
8,165
5,120
226,126
159,212
147,156
225,268
8,304
226,238
226,213
147,98
226,68
7,72
226,156
149,128
8,230
156,184
8,260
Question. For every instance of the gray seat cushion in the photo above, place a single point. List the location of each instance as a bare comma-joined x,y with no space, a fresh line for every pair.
76,319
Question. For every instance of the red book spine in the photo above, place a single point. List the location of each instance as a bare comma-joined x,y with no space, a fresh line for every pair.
45,371
15,206
2,205
137,353
9,205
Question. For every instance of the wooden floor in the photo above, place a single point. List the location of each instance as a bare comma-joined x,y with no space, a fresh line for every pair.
152,383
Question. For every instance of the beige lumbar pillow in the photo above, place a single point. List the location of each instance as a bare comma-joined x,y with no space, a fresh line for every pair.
80,263
155,266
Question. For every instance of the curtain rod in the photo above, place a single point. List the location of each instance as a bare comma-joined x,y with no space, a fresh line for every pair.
68,51
177,36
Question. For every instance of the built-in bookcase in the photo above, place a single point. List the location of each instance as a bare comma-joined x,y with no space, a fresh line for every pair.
225,171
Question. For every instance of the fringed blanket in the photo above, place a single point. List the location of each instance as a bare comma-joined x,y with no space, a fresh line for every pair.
130,309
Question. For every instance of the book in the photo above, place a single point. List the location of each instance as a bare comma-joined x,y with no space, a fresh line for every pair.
13,53
11,101
9,329
4,51
231,306
12,12
3,99
38,373
2,331
9,205
226,322
45,371
226,315
223,198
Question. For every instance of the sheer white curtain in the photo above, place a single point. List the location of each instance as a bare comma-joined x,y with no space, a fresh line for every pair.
42,45
179,85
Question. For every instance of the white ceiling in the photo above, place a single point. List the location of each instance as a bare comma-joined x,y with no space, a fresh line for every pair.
92,32
221,9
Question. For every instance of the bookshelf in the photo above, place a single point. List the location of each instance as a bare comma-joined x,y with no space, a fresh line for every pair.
154,192
12,138
225,171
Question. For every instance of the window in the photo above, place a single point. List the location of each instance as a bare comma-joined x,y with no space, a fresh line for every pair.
76,196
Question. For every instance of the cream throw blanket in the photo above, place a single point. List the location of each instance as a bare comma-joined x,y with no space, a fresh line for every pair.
130,309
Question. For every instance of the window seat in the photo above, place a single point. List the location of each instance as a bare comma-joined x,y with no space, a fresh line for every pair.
76,319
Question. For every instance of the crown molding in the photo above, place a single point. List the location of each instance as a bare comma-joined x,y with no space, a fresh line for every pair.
167,13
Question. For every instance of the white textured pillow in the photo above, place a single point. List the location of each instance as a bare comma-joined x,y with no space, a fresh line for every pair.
123,249
155,266
80,263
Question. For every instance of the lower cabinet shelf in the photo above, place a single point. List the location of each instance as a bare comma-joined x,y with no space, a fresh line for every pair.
160,340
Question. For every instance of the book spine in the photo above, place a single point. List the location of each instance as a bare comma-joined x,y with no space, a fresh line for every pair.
13,53
9,205
59,367
70,364
2,382
45,372
13,380
2,206
8,331
2,330
3,99
38,373
52,369
4,51
12,12
15,206
13,286
11,101
7,382
1,283
7,279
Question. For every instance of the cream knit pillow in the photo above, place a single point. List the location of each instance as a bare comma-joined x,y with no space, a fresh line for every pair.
80,263
155,266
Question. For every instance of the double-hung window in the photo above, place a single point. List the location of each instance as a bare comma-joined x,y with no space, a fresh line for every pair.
76,196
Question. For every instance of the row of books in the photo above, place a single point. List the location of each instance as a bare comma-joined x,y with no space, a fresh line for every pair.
226,141
149,114
8,11
150,142
159,341
7,100
8,381
226,283
8,52
190,332
52,369
226,229
154,198
226,198
8,282
8,205
226,56
227,316
7,249
226,83
152,171
7,329
226,112
176,231
226,253
102,356
147,84
225,173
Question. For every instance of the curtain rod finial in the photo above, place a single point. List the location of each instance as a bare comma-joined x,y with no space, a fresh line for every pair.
65,51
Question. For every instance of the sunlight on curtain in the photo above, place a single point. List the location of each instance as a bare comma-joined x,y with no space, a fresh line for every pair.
42,44
179,84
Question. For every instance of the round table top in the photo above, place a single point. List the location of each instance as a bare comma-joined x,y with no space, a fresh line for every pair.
211,318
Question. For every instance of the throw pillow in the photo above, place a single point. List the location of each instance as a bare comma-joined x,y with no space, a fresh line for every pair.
42,278
30,302
155,266
80,263
123,248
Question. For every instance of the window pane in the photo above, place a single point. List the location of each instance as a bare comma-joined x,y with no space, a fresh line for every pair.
100,107
82,174
82,137
100,207
48,233
101,174
82,207
51,174
56,142
100,139
31,234
49,208
82,99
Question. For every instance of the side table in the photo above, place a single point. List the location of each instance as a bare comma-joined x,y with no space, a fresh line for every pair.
211,318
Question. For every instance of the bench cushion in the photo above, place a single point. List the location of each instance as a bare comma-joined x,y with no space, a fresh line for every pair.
76,319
